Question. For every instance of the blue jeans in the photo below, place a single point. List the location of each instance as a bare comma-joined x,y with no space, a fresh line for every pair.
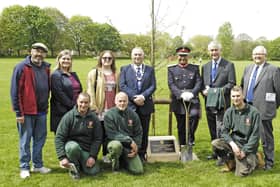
35,128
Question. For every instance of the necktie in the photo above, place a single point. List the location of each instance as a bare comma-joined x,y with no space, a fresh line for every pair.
250,92
214,71
139,77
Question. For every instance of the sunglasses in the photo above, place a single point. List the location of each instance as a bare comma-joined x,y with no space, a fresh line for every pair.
107,58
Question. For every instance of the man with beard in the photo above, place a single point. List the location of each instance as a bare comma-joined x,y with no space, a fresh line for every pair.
30,86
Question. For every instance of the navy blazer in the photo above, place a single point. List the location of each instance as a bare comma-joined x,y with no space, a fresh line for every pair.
225,78
128,84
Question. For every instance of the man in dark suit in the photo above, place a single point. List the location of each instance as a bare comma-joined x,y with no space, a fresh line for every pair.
218,76
261,87
138,81
184,82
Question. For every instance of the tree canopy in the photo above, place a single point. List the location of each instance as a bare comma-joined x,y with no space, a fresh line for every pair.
22,26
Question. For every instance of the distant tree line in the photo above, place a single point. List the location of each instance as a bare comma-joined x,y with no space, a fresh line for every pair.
22,26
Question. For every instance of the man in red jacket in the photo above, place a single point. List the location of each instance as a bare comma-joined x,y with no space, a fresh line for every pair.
30,86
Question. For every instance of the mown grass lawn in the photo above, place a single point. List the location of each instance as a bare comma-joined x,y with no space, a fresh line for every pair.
193,173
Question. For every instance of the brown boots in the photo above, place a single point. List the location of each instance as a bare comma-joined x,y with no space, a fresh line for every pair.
260,159
229,166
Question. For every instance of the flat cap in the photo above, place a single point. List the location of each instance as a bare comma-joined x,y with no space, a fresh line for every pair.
40,46
184,50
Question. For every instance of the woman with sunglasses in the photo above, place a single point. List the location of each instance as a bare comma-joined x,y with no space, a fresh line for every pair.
102,88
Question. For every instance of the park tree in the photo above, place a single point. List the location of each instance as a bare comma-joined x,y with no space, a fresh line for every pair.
163,45
90,35
22,26
107,37
199,45
56,35
37,24
273,49
225,37
12,30
144,41
99,37
75,28
177,41
242,47
129,41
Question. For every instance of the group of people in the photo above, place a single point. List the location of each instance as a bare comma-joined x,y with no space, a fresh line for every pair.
115,110
234,130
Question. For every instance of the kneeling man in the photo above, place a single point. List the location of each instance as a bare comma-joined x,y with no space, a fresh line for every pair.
240,136
124,132
78,139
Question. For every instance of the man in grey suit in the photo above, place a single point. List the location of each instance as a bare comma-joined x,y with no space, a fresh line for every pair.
261,87
138,81
218,77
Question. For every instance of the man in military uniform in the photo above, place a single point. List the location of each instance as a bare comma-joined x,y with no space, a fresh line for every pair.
184,82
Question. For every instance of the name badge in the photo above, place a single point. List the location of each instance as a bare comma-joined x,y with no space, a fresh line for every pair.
270,97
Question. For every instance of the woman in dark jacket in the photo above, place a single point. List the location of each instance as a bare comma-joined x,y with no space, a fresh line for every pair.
65,88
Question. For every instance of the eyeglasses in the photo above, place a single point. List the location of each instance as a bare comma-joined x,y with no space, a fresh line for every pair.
107,58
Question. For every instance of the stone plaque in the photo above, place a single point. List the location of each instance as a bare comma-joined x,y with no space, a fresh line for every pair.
162,146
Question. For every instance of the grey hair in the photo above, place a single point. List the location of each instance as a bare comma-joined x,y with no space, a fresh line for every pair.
260,48
137,48
214,45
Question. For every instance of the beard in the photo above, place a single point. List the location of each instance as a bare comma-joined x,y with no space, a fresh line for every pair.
37,60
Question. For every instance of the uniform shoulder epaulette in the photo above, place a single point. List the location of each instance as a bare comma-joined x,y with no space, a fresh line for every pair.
171,65
195,65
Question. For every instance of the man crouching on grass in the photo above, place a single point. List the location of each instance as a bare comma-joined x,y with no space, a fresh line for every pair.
124,131
240,136
78,139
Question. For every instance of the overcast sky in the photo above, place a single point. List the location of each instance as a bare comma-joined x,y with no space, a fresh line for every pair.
185,18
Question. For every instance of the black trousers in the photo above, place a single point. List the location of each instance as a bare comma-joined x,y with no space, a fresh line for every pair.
104,140
181,126
145,122
267,139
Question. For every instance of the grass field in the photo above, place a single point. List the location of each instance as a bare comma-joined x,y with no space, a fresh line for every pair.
194,173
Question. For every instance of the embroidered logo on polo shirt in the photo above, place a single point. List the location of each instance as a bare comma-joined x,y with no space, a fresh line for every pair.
90,125
247,121
130,122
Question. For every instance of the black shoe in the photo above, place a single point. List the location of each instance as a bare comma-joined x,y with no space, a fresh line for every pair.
211,157
143,158
73,171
